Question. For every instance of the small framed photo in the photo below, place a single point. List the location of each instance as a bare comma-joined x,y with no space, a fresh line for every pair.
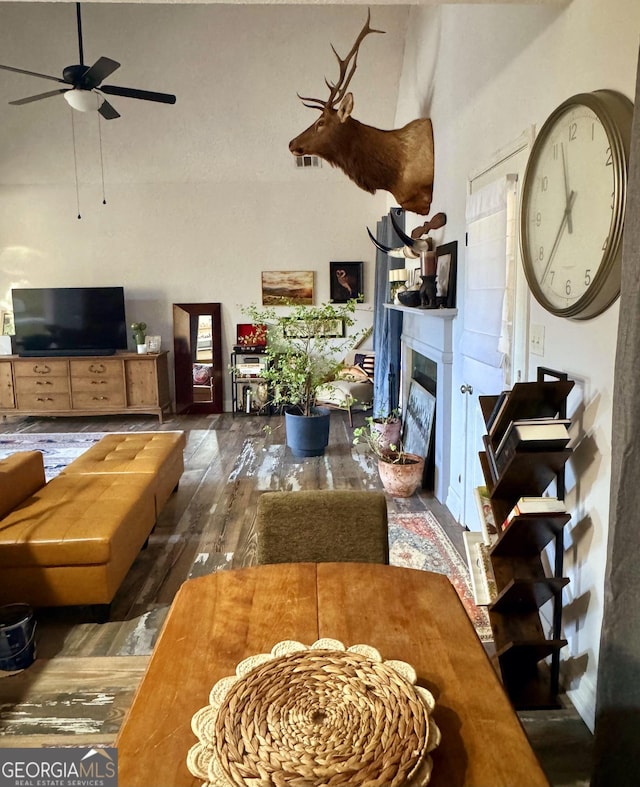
446,274
8,327
345,281
284,288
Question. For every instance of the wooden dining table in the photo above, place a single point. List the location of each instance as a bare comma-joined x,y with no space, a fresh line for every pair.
218,620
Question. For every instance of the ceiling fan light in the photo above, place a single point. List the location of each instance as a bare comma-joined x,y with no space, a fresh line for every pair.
83,100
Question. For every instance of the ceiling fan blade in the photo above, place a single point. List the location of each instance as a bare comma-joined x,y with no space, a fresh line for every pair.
32,73
100,70
28,100
146,95
107,111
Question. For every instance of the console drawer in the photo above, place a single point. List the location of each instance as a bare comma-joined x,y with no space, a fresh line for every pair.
96,369
97,385
97,400
42,402
40,368
41,385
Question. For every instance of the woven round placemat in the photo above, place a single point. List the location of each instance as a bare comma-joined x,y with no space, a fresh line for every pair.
316,716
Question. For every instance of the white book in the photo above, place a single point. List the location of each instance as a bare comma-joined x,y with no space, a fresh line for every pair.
536,505
543,430
485,514
483,583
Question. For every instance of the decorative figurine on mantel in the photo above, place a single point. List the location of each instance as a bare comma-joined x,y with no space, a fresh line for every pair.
417,246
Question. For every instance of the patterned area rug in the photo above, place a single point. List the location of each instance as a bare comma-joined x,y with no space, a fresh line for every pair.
418,541
58,450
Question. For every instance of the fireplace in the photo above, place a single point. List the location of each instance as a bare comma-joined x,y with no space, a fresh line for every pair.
427,356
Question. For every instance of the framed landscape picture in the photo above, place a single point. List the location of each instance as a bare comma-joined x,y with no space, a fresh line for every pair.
345,281
280,288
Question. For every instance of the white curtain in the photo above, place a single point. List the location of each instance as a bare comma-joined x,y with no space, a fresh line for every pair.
490,281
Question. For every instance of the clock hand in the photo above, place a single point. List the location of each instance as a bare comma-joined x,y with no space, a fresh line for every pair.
563,223
566,189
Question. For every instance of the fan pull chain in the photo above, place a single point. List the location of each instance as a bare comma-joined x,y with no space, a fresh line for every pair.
104,198
75,161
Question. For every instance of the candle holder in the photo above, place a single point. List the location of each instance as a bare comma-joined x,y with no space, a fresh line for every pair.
397,277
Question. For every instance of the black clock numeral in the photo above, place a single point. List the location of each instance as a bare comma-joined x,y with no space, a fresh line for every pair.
587,277
555,152
538,219
573,131
609,160
605,244
541,253
551,276
544,183
567,287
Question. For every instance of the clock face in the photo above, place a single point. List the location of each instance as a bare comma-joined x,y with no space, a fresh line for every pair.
573,208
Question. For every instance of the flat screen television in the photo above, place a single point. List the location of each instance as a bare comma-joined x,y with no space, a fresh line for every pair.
69,321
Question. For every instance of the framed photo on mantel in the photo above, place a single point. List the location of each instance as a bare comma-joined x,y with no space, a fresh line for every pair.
346,281
446,274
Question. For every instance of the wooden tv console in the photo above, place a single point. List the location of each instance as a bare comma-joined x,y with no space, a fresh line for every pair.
85,385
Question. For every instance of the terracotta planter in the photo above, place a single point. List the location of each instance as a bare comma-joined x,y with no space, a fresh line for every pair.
389,432
401,480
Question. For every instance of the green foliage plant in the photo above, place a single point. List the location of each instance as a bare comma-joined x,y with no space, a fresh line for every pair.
301,353
139,329
372,438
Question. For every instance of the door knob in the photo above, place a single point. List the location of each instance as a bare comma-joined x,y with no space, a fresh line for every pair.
466,389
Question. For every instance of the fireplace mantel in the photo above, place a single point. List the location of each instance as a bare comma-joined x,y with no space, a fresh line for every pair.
429,332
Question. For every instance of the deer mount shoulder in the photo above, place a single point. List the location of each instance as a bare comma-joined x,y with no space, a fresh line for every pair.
399,161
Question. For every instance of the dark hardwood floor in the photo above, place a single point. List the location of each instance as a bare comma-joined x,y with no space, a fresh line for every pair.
85,675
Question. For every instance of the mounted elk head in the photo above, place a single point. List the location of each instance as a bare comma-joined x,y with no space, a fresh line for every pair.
399,161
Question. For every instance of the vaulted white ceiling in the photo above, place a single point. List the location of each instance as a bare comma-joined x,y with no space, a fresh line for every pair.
235,69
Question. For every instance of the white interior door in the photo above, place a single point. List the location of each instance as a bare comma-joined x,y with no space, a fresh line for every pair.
487,339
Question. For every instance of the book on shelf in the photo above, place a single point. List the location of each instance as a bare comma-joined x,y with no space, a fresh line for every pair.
499,405
485,514
491,460
535,505
483,582
535,434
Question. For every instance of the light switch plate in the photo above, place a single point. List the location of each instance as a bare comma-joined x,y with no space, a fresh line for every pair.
536,339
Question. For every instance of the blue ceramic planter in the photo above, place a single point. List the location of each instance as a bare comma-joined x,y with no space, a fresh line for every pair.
308,435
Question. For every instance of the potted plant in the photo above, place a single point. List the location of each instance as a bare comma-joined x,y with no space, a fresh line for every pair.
400,472
305,349
139,336
388,427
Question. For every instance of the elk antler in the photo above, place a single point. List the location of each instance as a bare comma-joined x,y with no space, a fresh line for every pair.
348,67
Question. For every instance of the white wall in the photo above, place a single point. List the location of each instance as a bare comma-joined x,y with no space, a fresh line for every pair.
485,74
201,196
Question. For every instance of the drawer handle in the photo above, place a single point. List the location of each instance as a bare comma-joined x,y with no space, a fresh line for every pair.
44,382
41,369
44,399
98,382
97,368
99,398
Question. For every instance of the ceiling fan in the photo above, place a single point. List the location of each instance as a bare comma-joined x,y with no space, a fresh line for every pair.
84,84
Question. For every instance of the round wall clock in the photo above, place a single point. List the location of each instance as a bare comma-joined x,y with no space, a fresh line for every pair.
573,203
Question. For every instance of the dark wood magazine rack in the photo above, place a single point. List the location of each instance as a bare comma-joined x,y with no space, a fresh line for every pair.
523,585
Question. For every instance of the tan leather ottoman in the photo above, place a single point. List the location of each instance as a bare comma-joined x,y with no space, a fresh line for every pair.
74,540
157,454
